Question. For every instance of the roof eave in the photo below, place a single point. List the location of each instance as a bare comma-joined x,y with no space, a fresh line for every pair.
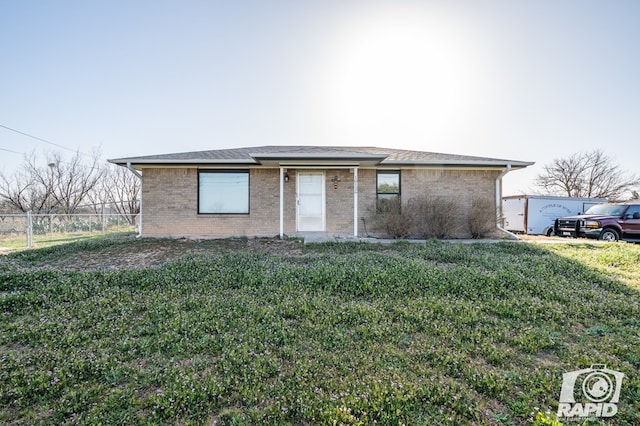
190,161
462,163
328,159
319,155
319,159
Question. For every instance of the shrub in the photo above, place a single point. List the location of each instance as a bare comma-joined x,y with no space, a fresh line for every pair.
481,218
392,218
435,216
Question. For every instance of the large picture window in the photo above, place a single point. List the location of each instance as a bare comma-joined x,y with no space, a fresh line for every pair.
223,192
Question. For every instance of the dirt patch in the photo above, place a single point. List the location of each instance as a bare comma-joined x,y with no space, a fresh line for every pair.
132,253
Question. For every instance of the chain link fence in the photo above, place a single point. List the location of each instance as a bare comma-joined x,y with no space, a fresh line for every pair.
27,230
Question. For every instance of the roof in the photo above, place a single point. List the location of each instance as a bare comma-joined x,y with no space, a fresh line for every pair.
291,155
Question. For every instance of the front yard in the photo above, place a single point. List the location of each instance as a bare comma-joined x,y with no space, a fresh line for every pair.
261,331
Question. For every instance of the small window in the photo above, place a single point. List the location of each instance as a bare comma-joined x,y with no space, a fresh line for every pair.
223,192
388,185
388,192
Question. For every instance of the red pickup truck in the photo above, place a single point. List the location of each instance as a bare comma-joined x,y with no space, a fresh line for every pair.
608,222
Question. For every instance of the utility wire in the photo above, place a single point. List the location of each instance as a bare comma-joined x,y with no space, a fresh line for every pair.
82,166
102,168
14,152
43,140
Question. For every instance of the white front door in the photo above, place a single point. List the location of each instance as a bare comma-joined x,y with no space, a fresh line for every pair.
311,201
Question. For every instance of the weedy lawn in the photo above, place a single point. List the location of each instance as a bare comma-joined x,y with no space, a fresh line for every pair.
437,333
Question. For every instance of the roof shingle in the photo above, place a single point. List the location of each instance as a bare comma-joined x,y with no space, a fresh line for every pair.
246,156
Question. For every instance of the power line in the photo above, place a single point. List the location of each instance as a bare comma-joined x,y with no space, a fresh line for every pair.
43,140
84,166
68,163
14,152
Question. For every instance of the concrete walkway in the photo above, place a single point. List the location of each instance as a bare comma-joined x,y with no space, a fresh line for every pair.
324,237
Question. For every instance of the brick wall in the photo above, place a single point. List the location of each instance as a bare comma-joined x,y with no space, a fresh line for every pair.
170,206
170,200
464,185
339,201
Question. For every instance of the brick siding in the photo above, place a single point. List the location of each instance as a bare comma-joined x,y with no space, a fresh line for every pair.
170,200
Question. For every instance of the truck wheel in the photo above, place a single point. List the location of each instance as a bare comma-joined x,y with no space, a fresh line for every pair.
609,234
550,232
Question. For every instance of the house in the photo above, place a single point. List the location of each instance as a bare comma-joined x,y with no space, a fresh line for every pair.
288,190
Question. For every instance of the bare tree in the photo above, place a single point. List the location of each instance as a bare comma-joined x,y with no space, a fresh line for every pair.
14,193
586,174
121,189
24,192
73,180
61,185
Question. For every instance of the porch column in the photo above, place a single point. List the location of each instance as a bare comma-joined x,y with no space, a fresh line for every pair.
281,203
355,202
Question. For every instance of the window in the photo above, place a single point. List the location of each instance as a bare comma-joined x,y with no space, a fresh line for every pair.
223,192
388,192
632,213
606,209
388,185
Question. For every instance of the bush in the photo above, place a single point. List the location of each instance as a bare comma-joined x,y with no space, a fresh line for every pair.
434,217
482,218
391,217
437,217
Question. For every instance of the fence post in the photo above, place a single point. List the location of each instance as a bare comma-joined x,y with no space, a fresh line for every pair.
50,226
29,230
102,218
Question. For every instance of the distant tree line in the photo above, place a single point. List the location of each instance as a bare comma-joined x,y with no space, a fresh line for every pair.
69,185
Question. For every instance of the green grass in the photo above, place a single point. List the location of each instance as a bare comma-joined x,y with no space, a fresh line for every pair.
437,333
48,240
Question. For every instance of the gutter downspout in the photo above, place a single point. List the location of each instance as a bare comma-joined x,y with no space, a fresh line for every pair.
499,202
139,176
134,171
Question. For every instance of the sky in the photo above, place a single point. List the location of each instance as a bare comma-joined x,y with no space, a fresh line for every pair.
521,80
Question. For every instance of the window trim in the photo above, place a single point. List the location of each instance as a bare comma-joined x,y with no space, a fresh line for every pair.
388,172
221,171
